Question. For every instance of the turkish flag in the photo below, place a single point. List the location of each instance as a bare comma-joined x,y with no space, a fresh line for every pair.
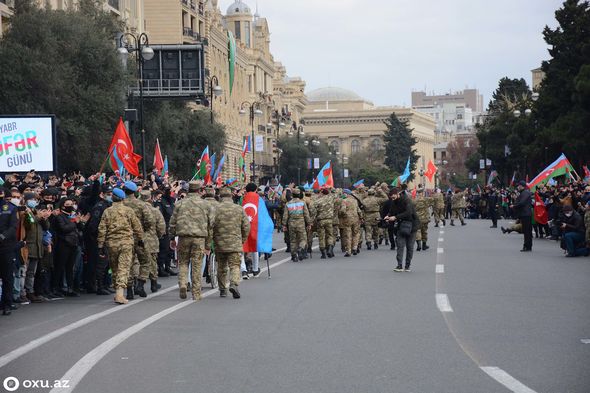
541,216
122,147
430,170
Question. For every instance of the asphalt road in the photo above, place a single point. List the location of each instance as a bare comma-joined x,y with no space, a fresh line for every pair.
490,319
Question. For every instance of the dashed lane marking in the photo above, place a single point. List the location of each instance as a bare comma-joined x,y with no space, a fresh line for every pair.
507,380
442,301
440,269
440,239
440,250
585,341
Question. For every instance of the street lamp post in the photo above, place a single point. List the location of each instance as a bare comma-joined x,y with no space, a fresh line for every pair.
143,52
214,91
254,112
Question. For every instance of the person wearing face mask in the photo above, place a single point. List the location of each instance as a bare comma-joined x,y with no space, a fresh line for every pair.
572,226
96,267
8,226
66,246
35,224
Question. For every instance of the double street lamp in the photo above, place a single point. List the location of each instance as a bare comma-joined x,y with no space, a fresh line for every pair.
214,91
254,109
138,44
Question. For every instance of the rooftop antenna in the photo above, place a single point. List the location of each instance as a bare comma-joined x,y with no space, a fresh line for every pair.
256,15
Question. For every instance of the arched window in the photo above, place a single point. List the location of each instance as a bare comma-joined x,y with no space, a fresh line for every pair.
355,146
335,146
376,145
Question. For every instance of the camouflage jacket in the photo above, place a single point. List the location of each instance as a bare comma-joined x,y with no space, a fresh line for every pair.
192,218
230,227
350,212
337,205
373,203
458,200
119,226
152,237
296,210
423,204
323,208
439,201
142,212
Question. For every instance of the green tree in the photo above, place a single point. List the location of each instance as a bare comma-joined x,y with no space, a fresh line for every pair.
399,145
293,163
64,63
563,108
183,134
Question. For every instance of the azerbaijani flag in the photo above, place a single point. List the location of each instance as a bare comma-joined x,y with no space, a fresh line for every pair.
158,160
165,169
493,176
559,167
358,183
325,178
261,225
202,170
231,182
395,182
586,173
513,180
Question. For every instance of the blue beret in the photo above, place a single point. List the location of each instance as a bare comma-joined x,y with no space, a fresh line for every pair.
131,186
119,193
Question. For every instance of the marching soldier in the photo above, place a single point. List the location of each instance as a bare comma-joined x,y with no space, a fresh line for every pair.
308,199
152,240
191,222
323,213
458,206
297,220
209,197
118,232
422,205
230,230
439,208
372,204
350,218
146,219
337,198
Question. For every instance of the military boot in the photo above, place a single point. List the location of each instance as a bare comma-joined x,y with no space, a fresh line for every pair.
419,248
381,240
294,257
119,298
436,225
130,293
375,246
303,253
331,251
368,245
310,251
444,223
288,249
139,288
154,286
323,252
425,246
452,223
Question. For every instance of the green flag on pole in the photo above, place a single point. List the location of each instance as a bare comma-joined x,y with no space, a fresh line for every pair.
231,48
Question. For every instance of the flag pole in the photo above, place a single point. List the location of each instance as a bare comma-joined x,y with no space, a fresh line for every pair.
267,265
106,159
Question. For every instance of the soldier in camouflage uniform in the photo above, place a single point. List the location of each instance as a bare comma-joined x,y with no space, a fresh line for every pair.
323,217
146,218
297,220
458,206
372,204
152,239
209,197
230,230
118,231
308,199
439,208
423,205
350,217
336,197
191,222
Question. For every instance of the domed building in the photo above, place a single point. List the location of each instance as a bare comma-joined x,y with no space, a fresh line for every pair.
350,124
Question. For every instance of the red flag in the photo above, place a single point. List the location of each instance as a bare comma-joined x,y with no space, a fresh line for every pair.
158,160
414,193
541,216
430,170
122,148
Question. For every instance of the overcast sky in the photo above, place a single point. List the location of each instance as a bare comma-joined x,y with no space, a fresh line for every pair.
385,49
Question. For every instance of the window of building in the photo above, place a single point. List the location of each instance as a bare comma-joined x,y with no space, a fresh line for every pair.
238,30
376,145
335,146
247,34
443,155
435,155
459,116
355,146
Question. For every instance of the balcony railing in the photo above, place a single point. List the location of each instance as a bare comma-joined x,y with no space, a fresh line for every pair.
201,8
169,87
188,32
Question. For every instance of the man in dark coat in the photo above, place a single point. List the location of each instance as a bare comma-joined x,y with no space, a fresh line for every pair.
523,211
403,211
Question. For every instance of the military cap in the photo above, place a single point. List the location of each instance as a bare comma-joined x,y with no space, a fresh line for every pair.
129,185
225,193
296,192
145,195
209,191
106,188
194,186
117,192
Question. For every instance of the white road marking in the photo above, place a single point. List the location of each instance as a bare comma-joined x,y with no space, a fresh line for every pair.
442,301
442,232
440,268
440,239
585,341
507,380
440,250
31,345
77,372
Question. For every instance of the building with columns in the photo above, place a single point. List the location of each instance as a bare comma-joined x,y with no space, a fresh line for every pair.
350,124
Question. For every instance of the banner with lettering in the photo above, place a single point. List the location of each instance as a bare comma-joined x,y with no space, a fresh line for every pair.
27,143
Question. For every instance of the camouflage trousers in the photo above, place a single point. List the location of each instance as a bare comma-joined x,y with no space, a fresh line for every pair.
325,234
458,213
439,214
228,262
144,259
120,259
297,235
190,251
356,235
350,236
422,233
153,271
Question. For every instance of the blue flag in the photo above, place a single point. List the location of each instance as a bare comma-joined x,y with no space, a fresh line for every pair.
404,176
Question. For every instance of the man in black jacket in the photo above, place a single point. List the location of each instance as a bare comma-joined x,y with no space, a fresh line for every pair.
522,208
493,201
572,225
390,225
8,225
403,212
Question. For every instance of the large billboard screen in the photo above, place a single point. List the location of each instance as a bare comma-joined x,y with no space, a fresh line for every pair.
27,142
